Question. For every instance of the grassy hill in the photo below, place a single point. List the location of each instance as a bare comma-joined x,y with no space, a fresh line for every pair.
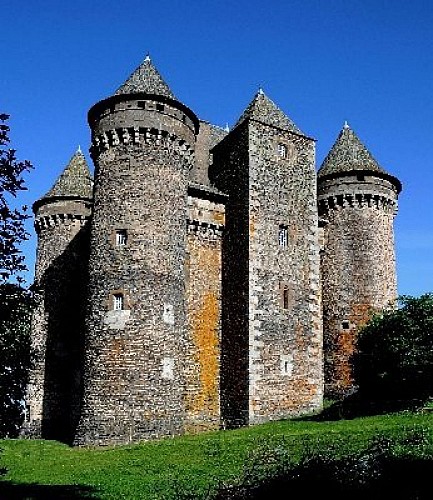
212,464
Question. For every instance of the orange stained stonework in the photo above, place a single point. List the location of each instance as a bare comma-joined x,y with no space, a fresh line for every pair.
204,312
205,334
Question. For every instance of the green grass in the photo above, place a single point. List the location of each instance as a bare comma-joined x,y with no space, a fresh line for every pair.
190,464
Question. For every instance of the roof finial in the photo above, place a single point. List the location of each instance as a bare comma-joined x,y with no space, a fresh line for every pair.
79,149
147,58
227,128
260,92
346,125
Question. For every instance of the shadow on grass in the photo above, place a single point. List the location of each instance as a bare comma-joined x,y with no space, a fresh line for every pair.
398,479
355,406
18,491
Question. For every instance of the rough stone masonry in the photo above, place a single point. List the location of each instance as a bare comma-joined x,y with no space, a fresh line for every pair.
205,278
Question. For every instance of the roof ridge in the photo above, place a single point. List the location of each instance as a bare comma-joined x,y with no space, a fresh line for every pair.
75,180
146,78
264,110
348,154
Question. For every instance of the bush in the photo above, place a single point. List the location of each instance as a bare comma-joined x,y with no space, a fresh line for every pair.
394,359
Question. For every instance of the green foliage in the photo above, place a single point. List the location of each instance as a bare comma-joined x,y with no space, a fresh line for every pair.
12,231
15,355
395,352
220,465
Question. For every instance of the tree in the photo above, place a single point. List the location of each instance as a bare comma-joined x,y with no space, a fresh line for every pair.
15,355
12,231
394,359
15,301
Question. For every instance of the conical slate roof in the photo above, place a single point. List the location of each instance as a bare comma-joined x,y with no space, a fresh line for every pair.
74,181
146,78
262,109
348,154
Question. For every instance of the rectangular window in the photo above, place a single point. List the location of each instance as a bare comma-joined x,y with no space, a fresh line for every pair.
282,150
118,302
285,298
121,237
159,107
286,365
283,236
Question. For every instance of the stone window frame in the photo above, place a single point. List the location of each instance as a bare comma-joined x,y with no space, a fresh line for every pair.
283,235
111,300
282,150
287,365
113,237
121,237
285,290
289,148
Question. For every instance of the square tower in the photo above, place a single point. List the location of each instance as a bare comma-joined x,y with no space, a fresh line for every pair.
271,350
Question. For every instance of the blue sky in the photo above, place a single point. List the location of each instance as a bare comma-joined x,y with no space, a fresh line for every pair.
369,62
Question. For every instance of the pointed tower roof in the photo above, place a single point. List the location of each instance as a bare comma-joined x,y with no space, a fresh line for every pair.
348,154
146,78
262,109
74,181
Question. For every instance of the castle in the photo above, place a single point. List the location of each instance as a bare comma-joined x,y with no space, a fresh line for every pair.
207,278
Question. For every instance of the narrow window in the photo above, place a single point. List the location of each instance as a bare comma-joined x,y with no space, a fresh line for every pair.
282,150
286,365
285,298
118,302
345,324
121,237
27,413
283,236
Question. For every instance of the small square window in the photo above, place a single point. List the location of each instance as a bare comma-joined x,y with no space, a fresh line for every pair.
159,107
345,324
283,236
282,150
121,237
118,302
360,177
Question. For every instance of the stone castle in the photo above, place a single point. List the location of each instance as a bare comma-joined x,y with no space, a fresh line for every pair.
207,278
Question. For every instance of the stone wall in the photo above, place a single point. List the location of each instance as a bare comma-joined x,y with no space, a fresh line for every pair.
209,135
203,288
285,331
358,265
54,391
228,173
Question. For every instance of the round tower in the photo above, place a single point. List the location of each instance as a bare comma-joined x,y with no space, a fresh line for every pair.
142,147
357,202
61,216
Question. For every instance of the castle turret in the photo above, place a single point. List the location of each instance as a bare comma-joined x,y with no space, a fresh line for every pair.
358,202
53,395
142,146
271,348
